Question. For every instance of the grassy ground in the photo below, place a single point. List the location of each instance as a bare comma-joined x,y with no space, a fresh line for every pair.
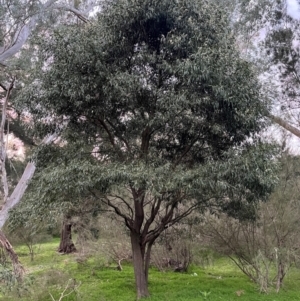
50,272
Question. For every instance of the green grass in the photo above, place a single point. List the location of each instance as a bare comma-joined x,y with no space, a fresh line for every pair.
50,272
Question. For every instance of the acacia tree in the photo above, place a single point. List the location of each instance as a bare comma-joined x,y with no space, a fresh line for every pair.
168,108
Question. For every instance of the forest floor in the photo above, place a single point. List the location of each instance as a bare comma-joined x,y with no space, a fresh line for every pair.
51,276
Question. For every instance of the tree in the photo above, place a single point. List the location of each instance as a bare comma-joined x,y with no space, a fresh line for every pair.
268,35
18,19
170,112
267,247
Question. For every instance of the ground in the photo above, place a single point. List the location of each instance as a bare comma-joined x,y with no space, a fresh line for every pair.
93,280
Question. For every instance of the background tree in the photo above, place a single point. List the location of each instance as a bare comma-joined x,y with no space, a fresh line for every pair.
18,20
158,92
267,247
268,34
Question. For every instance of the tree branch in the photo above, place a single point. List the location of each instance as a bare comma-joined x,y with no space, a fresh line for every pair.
285,125
19,190
125,202
3,87
22,35
128,221
154,211
186,150
75,11
153,234
119,136
138,198
110,135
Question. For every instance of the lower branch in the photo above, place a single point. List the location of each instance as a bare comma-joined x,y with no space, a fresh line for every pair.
285,125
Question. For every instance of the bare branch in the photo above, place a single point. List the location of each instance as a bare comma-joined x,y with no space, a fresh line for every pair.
75,11
125,202
127,219
154,211
70,287
285,125
3,87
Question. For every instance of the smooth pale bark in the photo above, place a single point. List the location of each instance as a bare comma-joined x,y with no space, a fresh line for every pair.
20,189
3,143
25,29
21,36
285,125
17,193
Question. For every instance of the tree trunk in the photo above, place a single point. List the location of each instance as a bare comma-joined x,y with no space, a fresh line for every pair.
280,275
18,268
66,245
147,259
138,265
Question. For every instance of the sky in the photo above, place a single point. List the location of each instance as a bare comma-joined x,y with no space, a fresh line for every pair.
293,9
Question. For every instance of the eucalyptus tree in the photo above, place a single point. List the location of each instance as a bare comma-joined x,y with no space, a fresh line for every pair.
19,20
268,34
170,111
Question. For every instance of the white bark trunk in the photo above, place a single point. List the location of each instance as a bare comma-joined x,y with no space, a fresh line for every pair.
20,189
17,193
3,144
22,35
285,125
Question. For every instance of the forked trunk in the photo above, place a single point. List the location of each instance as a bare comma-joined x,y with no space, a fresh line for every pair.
66,245
139,267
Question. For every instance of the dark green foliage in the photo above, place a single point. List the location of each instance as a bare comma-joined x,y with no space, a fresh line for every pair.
195,80
158,91
159,116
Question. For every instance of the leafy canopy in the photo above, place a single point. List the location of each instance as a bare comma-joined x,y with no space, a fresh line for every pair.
163,99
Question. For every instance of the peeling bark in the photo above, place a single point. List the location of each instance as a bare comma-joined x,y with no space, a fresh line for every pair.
66,245
18,268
